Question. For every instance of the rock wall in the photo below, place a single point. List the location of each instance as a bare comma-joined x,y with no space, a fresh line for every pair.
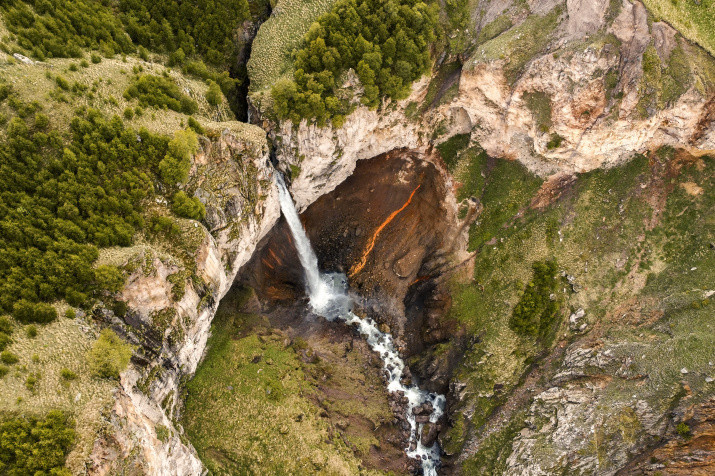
233,178
598,126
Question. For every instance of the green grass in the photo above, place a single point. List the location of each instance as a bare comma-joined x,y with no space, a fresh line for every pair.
278,37
520,44
247,410
693,20
495,28
539,103
597,230
451,147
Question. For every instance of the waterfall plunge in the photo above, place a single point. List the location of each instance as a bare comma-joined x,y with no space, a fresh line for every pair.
329,299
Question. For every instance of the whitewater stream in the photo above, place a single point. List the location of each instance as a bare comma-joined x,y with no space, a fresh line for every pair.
329,298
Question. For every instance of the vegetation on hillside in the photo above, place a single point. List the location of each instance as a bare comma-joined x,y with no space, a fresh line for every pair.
109,355
641,287
39,446
61,199
385,43
160,92
694,19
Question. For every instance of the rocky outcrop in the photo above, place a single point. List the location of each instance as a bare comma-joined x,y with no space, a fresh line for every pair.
172,292
589,74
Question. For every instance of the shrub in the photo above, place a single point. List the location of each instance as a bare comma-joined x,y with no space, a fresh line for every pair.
108,279
535,312
683,429
555,141
96,59
62,83
195,126
175,166
31,381
42,122
177,57
188,207
4,369
5,340
8,357
213,94
109,355
5,325
31,331
70,313
160,92
27,312
84,63
67,374
128,113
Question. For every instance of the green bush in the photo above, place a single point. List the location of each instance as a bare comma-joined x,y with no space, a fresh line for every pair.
213,94
8,357
385,42
67,374
26,312
31,381
535,313
555,141
160,92
34,445
108,278
5,325
175,166
31,331
683,429
128,113
5,340
188,207
4,369
70,313
109,355
195,126
61,198
96,59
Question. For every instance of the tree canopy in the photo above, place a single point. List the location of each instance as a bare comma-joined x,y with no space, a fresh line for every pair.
386,43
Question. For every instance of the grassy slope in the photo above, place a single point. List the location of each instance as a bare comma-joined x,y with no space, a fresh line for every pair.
628,274
696,21
251,371
278,37
61,344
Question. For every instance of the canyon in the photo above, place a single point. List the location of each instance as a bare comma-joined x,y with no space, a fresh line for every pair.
435,207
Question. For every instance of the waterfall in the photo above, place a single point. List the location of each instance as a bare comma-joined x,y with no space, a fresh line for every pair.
329,299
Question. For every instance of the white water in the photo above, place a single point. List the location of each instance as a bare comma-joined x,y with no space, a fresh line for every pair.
329,299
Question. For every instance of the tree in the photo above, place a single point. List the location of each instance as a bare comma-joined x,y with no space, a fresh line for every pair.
174,168
109,355
188,207
32,445
213,94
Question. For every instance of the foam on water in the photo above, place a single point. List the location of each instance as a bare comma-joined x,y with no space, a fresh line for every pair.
329,298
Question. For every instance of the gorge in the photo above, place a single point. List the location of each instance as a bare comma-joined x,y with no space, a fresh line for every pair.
357,237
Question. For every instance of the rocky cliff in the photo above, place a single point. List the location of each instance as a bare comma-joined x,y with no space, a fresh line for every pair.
172,291
565,88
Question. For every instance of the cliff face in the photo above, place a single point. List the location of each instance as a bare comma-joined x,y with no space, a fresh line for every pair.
572,87
580,99
172,293
567,89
